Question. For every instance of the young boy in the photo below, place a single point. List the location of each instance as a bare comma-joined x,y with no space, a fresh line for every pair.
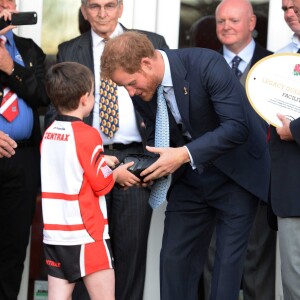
75,179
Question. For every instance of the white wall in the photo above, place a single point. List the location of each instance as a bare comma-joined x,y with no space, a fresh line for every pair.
31,31
161,16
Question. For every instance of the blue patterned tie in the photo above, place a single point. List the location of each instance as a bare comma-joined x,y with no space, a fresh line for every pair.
235,64
160,188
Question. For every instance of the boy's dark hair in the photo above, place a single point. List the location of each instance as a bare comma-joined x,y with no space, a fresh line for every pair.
65,84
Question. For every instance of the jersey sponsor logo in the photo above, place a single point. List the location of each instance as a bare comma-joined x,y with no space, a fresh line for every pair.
106,171
53,263
56,136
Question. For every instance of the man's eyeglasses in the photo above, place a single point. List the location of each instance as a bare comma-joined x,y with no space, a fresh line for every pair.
109,7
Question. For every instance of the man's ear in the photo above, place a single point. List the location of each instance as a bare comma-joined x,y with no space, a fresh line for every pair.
146,64
252,23
83,11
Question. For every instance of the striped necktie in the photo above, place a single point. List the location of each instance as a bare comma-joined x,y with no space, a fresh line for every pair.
9,108
162,139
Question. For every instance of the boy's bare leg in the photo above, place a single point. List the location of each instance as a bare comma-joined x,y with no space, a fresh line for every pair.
59,288
101,285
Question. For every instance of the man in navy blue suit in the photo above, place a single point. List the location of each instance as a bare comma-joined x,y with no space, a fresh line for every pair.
218,158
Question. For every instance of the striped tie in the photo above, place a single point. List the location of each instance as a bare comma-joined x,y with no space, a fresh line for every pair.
9,105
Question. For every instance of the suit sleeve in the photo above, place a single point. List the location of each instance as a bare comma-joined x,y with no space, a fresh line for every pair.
295,130
224,99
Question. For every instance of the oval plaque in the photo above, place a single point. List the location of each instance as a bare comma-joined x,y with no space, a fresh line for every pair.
273,86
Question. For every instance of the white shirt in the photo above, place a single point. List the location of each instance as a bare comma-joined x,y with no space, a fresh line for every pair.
246,55
128,131
292,47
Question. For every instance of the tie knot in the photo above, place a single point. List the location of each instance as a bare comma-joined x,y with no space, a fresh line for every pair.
160,90
236,60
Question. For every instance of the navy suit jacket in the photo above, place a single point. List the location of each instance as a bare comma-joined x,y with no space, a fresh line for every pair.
215,111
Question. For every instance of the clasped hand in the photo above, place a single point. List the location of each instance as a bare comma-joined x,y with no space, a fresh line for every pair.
169,161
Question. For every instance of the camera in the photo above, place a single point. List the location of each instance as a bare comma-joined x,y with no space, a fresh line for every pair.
21,18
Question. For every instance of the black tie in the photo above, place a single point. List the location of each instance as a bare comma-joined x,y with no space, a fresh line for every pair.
235,63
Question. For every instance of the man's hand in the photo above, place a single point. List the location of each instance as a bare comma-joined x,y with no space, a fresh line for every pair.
6,62
169,161
284,132
7,145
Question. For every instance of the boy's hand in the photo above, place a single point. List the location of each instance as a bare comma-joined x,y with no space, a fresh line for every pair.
124,177
111,161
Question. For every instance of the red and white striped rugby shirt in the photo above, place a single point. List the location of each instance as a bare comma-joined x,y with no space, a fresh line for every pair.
75,179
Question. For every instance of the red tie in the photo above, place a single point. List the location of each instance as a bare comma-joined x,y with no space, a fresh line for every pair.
9,105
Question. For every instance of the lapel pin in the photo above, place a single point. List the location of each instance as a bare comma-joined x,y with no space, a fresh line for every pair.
185,90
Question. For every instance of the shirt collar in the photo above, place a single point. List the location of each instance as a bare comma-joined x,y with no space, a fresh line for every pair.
295,40
10,37
98,39
246,54
167,79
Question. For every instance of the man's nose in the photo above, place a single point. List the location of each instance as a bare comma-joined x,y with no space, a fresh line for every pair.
130,90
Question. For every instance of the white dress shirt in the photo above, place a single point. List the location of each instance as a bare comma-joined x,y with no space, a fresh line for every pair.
292,47
246,55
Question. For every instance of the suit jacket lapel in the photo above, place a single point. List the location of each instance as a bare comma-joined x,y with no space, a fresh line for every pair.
24,51
181,88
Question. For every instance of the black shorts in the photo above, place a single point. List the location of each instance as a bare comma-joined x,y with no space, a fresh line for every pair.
74,262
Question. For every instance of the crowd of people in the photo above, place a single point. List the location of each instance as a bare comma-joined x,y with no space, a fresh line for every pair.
228,176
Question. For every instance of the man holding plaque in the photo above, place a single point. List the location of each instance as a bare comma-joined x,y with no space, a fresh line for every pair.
235,23
285,187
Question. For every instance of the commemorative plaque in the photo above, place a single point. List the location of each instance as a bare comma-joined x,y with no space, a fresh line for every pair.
273,86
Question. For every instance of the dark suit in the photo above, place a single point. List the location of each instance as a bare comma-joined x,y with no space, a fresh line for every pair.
229,150
285,188
20,174
129,212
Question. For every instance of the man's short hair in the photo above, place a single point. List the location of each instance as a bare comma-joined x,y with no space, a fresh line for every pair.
66,83
126,52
